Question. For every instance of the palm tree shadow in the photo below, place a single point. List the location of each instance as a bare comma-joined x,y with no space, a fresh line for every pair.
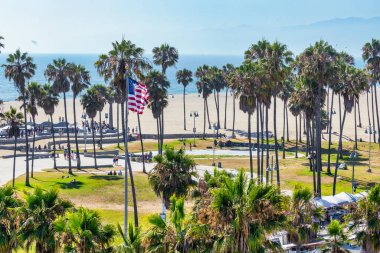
107,177
70,185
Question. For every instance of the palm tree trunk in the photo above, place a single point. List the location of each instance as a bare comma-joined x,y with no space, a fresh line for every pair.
218,112
318,142
67,133
158,133
267,143
287,122
14,162
184,108
52,132
34,142
296,138
275,141
257,140
313,149
300,131
377,112
26,143
118,125
162,131
339,151
93,142
225,110
373,115
308,140
356,129
141,143
233,116
360,118
122,118
110,115
262,142
250,146
283,131
204,118
76,134
101,130
330,128
208,115
369,117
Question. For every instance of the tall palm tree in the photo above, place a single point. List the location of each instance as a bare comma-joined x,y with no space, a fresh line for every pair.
13,119
110,98
165,56
1,44
368,211
82,231
125,59
234,80
20,68
227,70
317,64
39,212
102,90
184,77
80,80
173,174
59,73
371,55
92,102
32,93
48,100
9,220
158,94
218,83
355,82
204,88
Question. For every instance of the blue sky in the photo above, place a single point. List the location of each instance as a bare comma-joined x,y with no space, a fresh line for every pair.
193,26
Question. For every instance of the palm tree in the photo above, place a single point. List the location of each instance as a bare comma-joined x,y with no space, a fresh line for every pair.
40,210
368,211
132,241
234,80
303,225
227,70
234,209
173,174
217,83
102,90
317,64
110,98
48,100
125,59
82,231
336,231
13,119
168,236
92,102
9,220
371,55
32,93
184,77
204,88
355,82
59,73
80,80
1,44
158,94
165,56
20,68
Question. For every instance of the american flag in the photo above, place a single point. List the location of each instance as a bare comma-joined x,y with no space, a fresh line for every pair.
137,96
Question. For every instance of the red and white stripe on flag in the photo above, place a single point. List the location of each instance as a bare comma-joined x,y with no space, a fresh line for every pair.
138,96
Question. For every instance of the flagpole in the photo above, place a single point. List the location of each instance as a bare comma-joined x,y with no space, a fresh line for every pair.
126,158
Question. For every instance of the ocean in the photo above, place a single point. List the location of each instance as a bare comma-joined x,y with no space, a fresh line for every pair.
8,92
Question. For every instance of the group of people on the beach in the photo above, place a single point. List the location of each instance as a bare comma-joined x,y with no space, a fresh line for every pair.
67,155
114,173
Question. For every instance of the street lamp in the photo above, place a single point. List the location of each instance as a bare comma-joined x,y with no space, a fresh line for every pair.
353,155
368,130
194,114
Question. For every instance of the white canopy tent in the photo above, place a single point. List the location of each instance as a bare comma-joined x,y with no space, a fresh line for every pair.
339,199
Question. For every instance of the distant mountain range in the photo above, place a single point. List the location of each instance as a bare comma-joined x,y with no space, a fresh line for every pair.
348,34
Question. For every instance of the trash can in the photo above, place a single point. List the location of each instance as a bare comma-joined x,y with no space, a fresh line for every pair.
219,165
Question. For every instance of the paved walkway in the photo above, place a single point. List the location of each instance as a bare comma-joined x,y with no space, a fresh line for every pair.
6,166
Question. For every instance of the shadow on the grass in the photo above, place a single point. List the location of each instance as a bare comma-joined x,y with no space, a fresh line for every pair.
107,177
69,185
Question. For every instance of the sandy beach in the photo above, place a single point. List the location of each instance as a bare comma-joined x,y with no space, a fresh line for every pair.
174,117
